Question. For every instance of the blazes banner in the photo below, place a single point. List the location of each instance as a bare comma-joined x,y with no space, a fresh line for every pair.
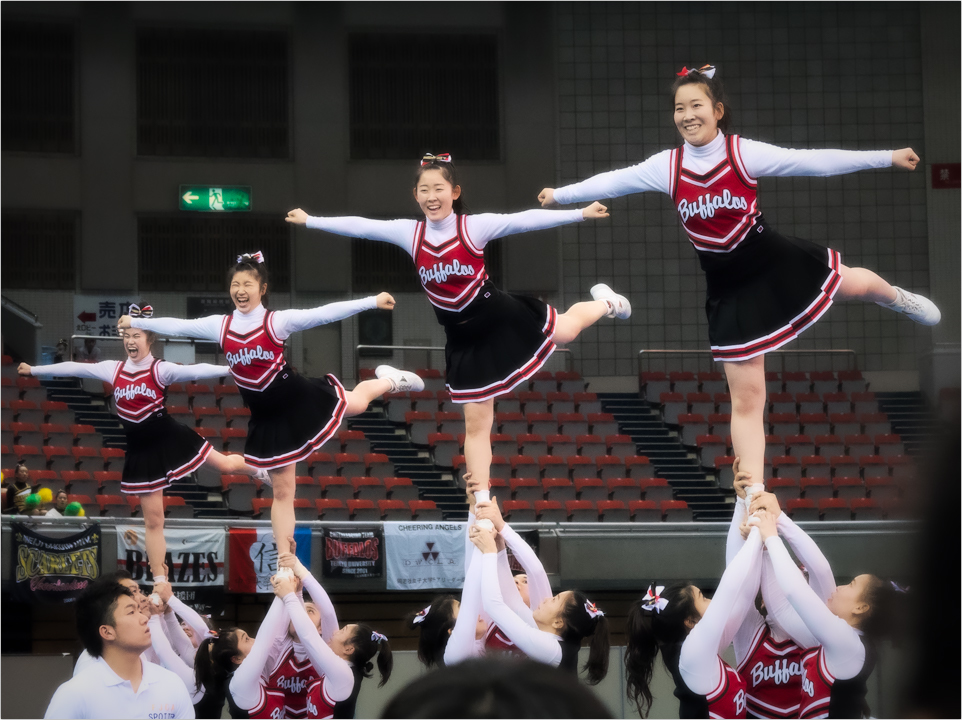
354,553
53,569
195,557
425,555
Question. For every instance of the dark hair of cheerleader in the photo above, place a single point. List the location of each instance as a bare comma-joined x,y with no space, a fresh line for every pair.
579,624
649,631
450,174
715,91
367,644
434,624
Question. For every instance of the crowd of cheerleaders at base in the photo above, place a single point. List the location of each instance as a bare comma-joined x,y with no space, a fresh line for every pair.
763,290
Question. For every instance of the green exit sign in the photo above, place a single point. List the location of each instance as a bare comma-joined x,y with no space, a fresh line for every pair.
226,198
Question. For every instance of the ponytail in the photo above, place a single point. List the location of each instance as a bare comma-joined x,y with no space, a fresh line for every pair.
434,624
582,619
887,603
214,662
368,643
651,630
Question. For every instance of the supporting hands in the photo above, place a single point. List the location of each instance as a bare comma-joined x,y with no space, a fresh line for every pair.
743,479
483,539
765,501
284,585
471,486
594,211
766,524
490,511
905,159
290,560
297,216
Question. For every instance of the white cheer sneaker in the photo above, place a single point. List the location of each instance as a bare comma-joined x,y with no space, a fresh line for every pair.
619,306
402,380
264,477
915,307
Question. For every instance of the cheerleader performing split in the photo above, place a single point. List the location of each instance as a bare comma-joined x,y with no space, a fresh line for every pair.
159,449
495,340
764,288
291,416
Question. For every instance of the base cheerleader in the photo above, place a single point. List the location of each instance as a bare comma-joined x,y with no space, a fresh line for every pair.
764,288
159,449
495,340
291,416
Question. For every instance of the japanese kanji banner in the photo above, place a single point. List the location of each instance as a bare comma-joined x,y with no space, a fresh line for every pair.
253,557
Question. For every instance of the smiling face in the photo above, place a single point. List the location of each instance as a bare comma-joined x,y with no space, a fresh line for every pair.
435,195
246,290
696,117
128,629
137,343
847,600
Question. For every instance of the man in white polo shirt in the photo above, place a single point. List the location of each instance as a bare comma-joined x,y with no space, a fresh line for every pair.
119,683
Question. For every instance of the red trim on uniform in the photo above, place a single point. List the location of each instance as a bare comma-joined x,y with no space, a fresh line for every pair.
722,686
731,147
154,405
466,239
311,445
757,639
800,323
418,239
708,176
186,469
675,173
120,369
443,248
269,328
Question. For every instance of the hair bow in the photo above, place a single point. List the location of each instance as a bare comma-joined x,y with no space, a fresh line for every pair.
419,618
592,610
430,158
142,312
654,600
899,588
707,70
248,257
378,637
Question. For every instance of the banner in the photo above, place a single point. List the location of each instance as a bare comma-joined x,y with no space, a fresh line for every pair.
253,558
53,569
425,555
533,540
195,557
354,553
98,314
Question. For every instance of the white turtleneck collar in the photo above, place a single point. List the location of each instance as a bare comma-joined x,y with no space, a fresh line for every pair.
141,364
707,149
257,312
448,224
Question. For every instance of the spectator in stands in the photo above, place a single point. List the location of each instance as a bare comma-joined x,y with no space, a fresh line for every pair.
119,683
61,505
90,353
33,505
61,353
18,489
496,688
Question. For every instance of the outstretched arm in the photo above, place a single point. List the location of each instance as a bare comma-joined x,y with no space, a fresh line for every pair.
396,232
539,587
169,373
699,663
105,371
190,616
166,654
285,323
764,160
652,174
207,328
462,644
338,676
245,685
820,575
483,228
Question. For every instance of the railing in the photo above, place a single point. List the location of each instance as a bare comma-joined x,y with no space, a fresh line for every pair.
20,310
428,348
849,355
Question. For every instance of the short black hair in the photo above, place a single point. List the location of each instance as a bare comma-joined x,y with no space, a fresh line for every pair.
96,607
496,688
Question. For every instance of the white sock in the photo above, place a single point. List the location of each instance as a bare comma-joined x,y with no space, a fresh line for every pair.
896,304
159,579
481,496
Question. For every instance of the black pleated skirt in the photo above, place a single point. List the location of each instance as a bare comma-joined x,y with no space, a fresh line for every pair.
766,292
159,451
497,342
292,418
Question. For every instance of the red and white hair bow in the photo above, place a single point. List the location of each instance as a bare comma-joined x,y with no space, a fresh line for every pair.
592,610
707,70
430,158
248,257
654,600
419,618
142,312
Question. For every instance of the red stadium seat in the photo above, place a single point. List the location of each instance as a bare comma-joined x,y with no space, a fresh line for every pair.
424,510
866,509
613,511
657,489
624,489
550,511
526,488
676,511
610,467
581,511
644,511
400,489
363,510
593,489
393,510
558,489
518,511
334,509
552,467
834,509
802,510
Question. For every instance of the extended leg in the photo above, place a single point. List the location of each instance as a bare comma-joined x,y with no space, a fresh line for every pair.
478,419
364,393
282,510
230,464
578,317
152,508
862,284
746,381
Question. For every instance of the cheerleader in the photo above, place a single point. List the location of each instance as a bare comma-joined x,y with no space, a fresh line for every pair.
847,627
340,662
552,633
159,449
692,632
291,416
763,288
495,340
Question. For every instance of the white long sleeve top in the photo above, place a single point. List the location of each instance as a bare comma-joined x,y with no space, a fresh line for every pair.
480,229
168,373
337,672
760,159
841,643
250,675
284,323
537,644
319,596
191,617
170,659
699,662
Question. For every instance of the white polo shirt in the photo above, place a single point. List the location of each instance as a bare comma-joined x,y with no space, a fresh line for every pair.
98,692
